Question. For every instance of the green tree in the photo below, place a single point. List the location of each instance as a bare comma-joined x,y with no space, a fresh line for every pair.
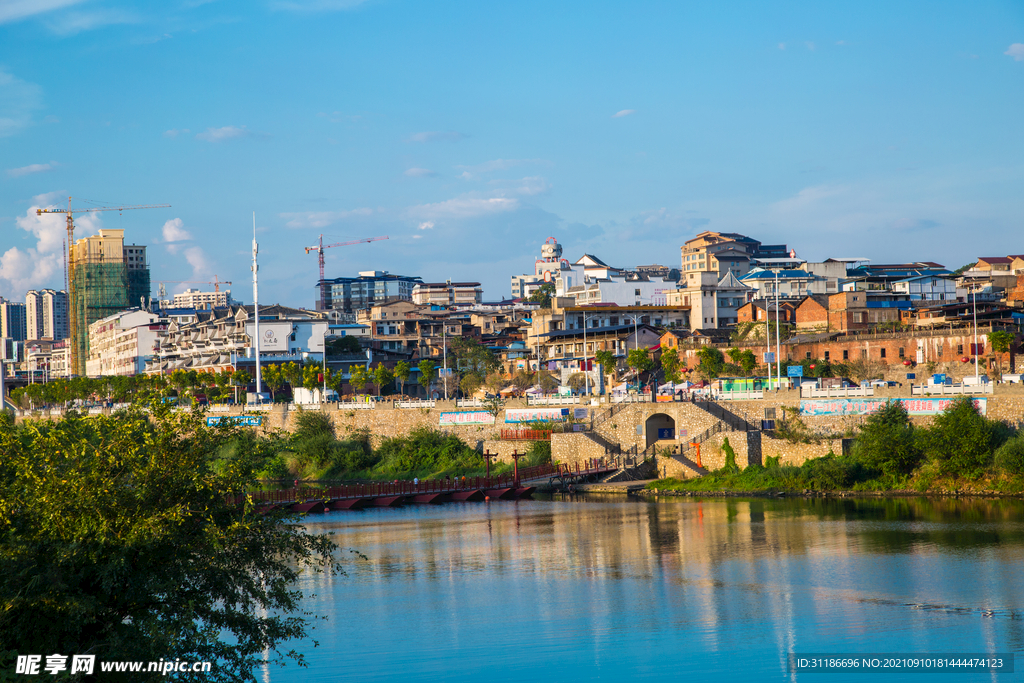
358,378
292,372
607,361
543,295
640,360
1001,341
888,443
274,378
747,362
670,365
577,381
345,344
382,376
469,384
313,376
133,542
402,373
961,440
712,362
546,381
428,373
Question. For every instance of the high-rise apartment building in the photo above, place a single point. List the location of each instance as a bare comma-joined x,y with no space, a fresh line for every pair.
46,314
371,288
12,320
107,277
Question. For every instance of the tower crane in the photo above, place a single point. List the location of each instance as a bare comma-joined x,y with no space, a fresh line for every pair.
319,249
69,269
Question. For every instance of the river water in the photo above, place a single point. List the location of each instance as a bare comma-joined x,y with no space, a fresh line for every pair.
605,588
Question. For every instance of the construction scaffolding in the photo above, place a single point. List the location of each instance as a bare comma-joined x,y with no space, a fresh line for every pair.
102,284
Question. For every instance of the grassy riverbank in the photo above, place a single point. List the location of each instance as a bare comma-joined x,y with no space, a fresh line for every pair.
962,452
315,452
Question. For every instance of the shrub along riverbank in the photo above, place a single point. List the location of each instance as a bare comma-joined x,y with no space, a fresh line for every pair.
961,452
314,451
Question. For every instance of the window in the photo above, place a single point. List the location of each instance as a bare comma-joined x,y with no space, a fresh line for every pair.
636,292
864,353
614,320
901,352
882,354
808,355
826,356
959,349
846,355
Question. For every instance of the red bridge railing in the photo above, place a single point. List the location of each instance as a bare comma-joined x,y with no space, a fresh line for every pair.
303,494
526,434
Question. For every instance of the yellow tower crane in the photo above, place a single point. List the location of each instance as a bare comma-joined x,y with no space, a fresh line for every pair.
69,270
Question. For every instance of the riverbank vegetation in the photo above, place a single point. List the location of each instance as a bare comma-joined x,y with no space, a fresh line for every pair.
961,452
316,452
128,537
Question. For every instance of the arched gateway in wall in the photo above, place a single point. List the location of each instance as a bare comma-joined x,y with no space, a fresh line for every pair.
659,426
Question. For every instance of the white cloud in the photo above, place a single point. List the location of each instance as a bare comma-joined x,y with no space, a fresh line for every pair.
523,187
202,269
321,219
420,173
465,207
18,99
223,133
623,112
1016,51
782,46
811,46
41,265
437,136
15,10
174,233
174,132
70,23
425,225
32,168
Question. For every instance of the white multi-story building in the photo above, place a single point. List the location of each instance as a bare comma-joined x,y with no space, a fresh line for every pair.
222,339
203,301
46,314
122,343
545,269
448,293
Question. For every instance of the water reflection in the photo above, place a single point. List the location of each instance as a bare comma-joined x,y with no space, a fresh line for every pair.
601,588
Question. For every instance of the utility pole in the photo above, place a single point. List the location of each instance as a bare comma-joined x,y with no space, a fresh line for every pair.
586,376
256,306
778,344
974,291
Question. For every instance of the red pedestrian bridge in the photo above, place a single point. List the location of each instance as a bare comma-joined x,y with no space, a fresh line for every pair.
510,486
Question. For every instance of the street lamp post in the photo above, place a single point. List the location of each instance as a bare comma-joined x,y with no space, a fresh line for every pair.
974,291
586,376
778,344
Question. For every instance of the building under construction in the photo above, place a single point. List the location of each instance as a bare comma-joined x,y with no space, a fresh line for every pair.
107,277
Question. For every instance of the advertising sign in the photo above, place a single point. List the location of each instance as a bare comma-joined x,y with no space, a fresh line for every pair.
866,406
237,420
467,417
273,336
769,357
795,371
580,413
514,415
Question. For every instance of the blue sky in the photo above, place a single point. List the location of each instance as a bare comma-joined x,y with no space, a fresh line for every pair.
469,132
